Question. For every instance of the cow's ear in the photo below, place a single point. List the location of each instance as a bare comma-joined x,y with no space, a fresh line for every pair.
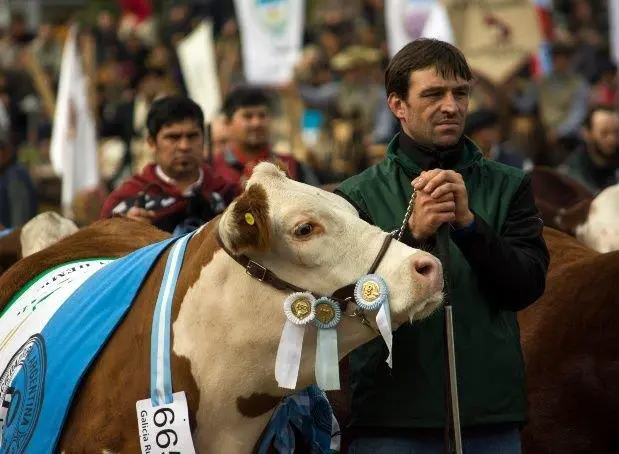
245,225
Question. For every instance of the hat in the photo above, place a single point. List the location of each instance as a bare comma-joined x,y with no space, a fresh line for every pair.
355,56
480,119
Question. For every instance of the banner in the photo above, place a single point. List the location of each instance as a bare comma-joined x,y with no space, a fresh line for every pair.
196,54
271,33
73,149
496,36
613,16
408,20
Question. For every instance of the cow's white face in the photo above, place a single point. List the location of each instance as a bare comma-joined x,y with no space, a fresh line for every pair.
601,230
317,241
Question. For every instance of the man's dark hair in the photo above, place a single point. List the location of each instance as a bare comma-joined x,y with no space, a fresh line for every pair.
245,97
588,123
421,54
170,110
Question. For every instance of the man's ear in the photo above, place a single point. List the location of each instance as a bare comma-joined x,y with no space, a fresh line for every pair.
245,226
397,106
150,141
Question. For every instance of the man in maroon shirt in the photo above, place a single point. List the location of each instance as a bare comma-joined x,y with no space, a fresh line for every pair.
178,192
248,113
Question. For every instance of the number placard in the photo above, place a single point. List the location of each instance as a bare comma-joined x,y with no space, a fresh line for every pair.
165,429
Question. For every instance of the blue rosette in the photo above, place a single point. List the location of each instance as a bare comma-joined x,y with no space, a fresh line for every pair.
327,313
370,292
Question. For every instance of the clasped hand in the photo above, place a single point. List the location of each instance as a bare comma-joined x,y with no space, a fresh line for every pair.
441,197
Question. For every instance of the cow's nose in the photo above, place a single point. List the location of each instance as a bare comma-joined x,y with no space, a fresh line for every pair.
427,270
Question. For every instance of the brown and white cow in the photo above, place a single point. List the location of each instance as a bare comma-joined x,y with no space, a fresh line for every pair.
227,325
570,342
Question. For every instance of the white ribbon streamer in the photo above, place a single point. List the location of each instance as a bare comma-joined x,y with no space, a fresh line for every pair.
327,360
288,357
383,320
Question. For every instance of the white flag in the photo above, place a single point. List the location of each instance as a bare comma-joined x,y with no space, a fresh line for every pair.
196,54
408,20
73,149
271,33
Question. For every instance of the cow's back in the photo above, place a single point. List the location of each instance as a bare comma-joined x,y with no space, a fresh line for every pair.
112,238
571,347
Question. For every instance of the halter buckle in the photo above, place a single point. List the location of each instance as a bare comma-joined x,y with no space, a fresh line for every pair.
252,269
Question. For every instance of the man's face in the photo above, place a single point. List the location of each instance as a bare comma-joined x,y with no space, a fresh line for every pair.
178,148
487,138
250,126
435,109
604,132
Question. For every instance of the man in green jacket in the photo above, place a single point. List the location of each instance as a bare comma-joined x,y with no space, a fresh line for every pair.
498,265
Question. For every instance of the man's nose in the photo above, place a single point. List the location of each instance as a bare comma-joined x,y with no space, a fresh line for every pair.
449,104
184,143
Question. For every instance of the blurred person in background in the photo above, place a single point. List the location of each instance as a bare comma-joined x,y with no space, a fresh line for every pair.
359,96
48,50
177,192
219,138
17,38
563,97
128,122
604,89
596,162
248,113
18,202
484,128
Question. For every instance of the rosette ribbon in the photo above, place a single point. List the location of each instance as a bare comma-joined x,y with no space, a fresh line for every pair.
299,310
370,294
327,315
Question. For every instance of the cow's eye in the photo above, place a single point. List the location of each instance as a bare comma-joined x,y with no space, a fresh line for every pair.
303,230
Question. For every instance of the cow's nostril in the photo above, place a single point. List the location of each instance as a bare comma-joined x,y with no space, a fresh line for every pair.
425,266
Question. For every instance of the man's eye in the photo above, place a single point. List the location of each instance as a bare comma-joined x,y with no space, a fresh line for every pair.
303,230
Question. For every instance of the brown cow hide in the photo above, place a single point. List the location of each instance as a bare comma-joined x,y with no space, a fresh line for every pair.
562,201
120,375
571,347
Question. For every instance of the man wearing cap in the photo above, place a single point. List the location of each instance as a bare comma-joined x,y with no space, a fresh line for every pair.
359,96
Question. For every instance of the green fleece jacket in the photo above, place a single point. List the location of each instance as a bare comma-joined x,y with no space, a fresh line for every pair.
497,267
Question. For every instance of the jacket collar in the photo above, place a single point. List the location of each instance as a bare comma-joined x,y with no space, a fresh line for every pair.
414,157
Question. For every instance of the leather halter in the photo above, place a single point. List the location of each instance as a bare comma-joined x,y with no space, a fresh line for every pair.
342,296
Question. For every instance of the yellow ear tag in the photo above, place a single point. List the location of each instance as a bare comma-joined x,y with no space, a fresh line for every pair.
249,219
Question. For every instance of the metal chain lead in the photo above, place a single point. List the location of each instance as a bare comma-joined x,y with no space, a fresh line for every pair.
409,212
